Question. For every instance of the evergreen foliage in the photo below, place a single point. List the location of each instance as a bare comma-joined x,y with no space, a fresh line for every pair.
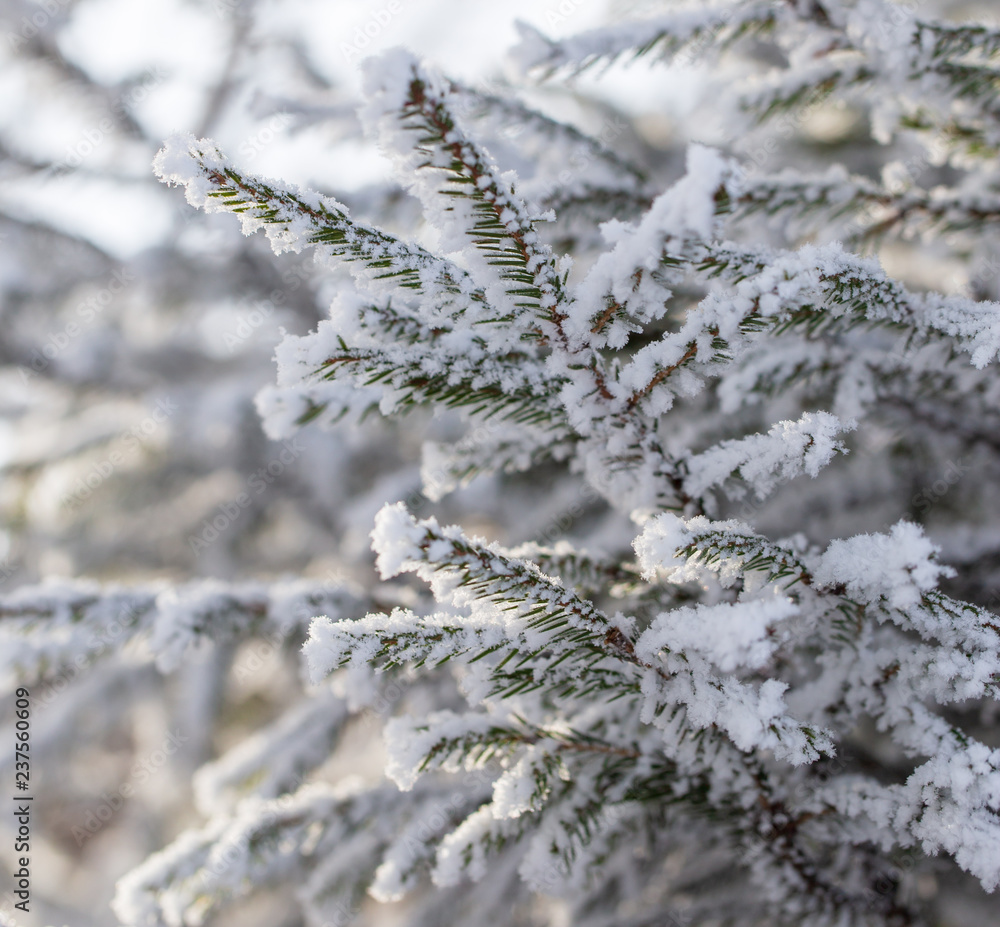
753,685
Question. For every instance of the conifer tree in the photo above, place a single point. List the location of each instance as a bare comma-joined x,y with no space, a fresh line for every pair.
750,678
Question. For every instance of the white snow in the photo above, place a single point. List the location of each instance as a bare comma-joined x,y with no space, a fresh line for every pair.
898,566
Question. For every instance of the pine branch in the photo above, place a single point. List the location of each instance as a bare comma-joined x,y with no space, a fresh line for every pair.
954,41
47,630
483,203
764,461
689,33
276,759
294,219
492,448
484,386
318,835
559,641
571,146
629,286
581,571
